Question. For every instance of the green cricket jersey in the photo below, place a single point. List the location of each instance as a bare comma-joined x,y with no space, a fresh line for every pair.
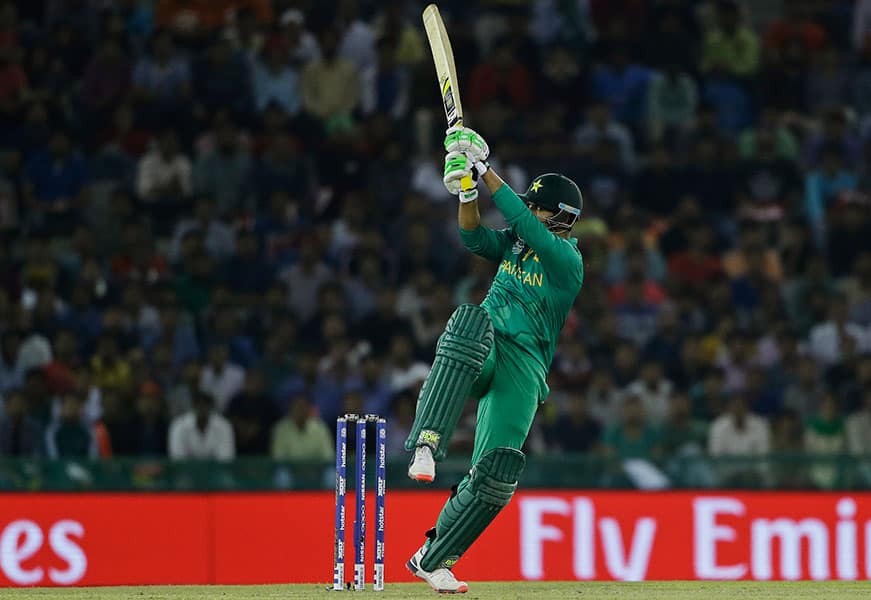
539,276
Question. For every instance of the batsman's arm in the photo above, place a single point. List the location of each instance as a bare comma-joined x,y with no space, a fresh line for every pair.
551,250
483,241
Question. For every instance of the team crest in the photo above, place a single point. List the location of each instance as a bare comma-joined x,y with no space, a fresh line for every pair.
518,247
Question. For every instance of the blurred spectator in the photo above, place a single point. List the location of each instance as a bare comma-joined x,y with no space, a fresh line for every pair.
835,136
826,186
222,174
804,395
501,78
795,27
672,100
654,391
625,362
281,168
603,399
162,81
636,314
107,78
574,430
114,430
324,389
301,436
730,47
741,434
828,84
861,25
386,91
109,369
403,371
571,367
221,80
252,414
848,233
632,437
20,433
824,438
164,177
769,186
191,18
302,45
149,422
380,326
201,433
402,417
829,342
771,129
682,434
68,437
622,84
600,126
857,290
330,86
667,346
357,38
55,182
180,396
220,378
11,374
275,81
698,265
858,428
372,384
410,46
305,278
205,226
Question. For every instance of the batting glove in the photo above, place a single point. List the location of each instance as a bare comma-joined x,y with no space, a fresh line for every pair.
457,167
464,139
469,196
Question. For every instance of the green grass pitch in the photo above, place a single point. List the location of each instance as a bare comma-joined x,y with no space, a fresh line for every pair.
672,590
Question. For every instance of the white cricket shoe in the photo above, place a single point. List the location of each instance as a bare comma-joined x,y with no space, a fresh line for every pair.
440,580
422,467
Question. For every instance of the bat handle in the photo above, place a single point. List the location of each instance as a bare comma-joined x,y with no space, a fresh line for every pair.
466,181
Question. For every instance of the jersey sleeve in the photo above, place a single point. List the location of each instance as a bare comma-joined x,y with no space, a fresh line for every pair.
485,242
553,251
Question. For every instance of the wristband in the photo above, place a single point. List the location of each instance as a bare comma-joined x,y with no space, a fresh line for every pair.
481,168
468,196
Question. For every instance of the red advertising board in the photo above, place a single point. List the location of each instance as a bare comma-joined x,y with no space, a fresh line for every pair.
112,539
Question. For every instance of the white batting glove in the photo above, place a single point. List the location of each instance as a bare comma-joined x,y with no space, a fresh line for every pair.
457,167
470,196
467,140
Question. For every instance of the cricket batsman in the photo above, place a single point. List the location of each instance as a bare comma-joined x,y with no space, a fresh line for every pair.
498,352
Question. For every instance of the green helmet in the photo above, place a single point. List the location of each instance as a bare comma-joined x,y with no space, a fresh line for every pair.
558,194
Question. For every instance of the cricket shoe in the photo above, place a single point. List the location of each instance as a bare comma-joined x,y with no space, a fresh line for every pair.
441,580
422,467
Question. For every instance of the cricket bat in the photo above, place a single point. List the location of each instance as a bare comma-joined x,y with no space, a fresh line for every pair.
446,72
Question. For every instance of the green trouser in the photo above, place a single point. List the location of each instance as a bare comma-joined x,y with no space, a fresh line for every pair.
509,390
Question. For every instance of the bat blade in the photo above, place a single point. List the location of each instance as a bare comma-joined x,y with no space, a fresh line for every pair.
446,71
443,59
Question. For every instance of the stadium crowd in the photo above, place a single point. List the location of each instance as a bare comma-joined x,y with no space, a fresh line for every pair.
224,224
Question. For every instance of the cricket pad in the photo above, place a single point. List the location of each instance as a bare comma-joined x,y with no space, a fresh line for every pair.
478,500
459,359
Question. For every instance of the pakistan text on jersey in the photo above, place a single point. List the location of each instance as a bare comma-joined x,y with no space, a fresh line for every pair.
531,279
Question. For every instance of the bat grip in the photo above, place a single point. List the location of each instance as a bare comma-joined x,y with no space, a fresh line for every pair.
467,183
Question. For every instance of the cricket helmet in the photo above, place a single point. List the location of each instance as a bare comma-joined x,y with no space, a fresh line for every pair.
558,194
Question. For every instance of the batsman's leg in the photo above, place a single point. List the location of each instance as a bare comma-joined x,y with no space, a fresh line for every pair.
505,415
460,355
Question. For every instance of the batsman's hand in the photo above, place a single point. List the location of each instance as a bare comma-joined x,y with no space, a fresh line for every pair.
457,167
467,140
